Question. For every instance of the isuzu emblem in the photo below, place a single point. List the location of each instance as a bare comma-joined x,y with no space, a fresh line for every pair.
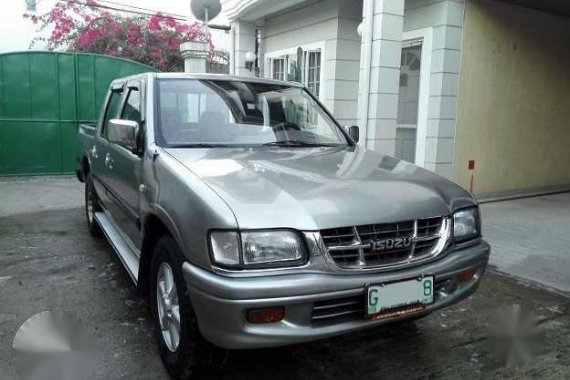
392,243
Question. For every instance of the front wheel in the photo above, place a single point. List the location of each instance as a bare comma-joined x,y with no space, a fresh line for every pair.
91,207
183,350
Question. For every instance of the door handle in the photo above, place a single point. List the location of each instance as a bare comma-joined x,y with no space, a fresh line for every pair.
94,152
109,161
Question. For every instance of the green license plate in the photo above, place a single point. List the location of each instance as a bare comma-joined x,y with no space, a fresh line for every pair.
402,297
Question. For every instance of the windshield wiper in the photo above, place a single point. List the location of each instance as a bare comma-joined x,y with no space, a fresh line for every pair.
296,143
202,145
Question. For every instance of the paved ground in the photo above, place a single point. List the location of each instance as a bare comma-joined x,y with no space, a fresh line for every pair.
20,195
49,262
531,238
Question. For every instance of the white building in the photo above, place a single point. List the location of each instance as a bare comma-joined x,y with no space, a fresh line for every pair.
338,65
394,68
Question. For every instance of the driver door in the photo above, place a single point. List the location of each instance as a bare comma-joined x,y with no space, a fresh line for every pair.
126,167
99,152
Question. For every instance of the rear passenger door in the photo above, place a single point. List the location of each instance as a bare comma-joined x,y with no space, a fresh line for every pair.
125,174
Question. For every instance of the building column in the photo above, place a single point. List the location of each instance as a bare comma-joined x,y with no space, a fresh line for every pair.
195,56
379,81
242,42
444,90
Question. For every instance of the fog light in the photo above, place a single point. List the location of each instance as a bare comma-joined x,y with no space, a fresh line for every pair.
466,276
269,315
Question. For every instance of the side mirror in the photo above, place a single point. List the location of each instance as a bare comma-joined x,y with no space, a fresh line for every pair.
123,133
353,132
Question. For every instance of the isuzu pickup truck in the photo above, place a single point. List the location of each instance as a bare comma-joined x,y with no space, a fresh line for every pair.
252,219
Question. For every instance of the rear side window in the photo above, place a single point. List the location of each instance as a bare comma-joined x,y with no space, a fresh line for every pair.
132,109
112,109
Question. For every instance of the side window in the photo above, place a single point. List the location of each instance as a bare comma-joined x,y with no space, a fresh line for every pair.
111,111
313,72
279,68
132,109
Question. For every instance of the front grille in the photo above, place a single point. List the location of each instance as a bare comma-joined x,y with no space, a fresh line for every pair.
377,245
344,309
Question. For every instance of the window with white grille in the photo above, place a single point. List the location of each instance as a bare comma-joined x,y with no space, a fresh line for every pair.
278,68
313,71
299,65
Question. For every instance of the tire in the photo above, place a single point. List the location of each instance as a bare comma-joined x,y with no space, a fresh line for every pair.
91,207
190,354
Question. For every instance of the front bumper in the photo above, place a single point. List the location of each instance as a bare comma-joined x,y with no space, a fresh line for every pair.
221,302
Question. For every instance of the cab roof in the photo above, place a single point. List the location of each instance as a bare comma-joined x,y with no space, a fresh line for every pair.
210,77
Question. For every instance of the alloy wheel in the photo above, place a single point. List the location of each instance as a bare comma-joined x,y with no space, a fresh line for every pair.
168,307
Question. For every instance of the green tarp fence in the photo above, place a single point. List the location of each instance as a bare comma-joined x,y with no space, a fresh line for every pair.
44,96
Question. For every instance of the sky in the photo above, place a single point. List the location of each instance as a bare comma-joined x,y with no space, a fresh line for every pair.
16,32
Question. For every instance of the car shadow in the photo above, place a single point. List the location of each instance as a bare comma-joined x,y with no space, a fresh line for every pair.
375,353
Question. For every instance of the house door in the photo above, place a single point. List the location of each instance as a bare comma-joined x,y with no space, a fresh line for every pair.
408,101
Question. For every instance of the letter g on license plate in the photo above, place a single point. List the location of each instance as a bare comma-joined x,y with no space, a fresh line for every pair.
399,298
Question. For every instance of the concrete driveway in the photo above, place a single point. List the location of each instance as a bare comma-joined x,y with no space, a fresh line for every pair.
48,261
22,195
531,238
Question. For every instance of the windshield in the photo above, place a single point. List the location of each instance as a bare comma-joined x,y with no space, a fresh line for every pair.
229,113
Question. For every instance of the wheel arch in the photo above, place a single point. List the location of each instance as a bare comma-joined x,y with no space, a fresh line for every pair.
84,169
85,166
154,226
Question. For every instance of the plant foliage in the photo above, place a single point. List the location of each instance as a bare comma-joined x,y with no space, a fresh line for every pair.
85,27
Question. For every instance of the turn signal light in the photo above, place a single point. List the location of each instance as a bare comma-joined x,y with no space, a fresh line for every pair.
466,276
269,315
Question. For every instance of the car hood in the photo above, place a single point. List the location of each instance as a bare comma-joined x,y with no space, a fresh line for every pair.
316,188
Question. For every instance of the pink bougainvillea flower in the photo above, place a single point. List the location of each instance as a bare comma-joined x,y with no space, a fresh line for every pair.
115,26
174,44
181,28
154,40
83,41
170,22
154,23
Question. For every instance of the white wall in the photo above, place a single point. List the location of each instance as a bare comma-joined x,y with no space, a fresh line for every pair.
446,19
332,23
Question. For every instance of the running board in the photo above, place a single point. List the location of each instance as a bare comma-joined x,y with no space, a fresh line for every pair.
126,253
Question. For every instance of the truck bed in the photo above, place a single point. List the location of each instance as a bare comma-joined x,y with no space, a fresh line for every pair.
85,136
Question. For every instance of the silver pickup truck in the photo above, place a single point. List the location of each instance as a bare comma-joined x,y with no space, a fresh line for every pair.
252,219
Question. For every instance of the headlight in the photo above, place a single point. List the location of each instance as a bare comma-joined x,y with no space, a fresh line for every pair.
466,224
270,247
249,249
